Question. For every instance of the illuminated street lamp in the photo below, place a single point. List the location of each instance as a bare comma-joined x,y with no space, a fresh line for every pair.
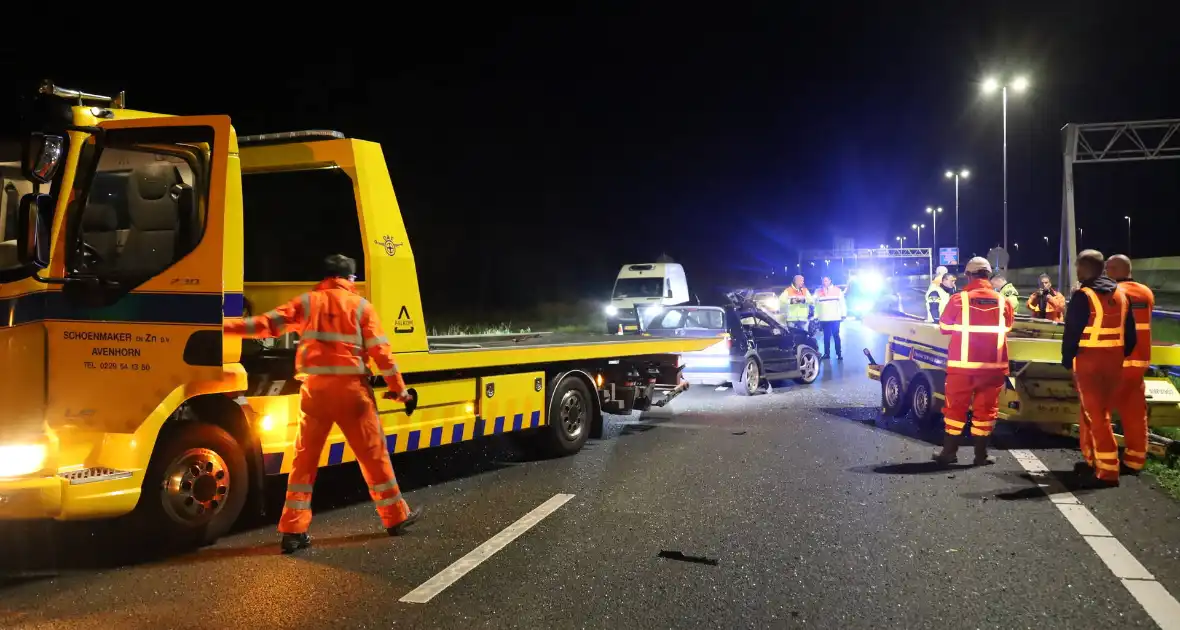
962,174
934,212
918,228
990,85
900,241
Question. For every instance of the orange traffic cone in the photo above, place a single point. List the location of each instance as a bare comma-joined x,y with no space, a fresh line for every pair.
620,329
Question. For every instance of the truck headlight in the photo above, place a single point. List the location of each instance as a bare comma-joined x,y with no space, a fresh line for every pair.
611,310
18,460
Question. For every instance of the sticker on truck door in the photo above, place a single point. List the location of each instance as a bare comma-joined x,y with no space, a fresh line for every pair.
404,323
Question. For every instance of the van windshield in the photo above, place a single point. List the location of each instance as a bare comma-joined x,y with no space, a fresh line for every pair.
651,287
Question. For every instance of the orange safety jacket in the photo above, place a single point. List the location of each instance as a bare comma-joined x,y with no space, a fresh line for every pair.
1107,322
1054,306
1142,303
978,320
338,329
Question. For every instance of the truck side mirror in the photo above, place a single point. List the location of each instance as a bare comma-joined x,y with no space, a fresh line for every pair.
42,157
34,221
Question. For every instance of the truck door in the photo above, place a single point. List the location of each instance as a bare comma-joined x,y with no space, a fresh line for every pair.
136,327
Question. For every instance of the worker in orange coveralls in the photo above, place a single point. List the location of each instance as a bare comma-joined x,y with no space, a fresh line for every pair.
1099,335
1131,398
978,319
338,331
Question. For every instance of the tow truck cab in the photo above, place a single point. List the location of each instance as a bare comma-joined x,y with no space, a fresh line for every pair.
120,392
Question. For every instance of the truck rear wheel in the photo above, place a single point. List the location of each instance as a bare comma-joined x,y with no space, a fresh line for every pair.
195,487
571,416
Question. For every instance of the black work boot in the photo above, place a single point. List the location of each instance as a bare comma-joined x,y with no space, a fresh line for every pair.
1083,469
1125,470
294,542
950,449
981,457
400,528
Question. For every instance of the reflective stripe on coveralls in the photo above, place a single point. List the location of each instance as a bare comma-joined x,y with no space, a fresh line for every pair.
977,358
340,333
1130,399
1097,373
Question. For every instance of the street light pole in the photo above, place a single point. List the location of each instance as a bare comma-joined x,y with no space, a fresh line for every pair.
963,173
1019,84
1128,235
1005,125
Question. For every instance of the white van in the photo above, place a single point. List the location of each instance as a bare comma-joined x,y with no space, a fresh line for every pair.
648,286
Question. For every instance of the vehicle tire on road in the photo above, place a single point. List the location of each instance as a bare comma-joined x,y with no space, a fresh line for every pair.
922,402
749,381
195,486
808,365
893,394
571,415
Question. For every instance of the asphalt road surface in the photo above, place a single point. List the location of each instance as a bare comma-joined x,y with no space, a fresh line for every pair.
798,508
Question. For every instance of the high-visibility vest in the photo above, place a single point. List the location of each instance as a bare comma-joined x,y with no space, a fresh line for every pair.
1142,302
936,301
1012,294
1108,315
829,304
339,331
978,320
797,301
1054,306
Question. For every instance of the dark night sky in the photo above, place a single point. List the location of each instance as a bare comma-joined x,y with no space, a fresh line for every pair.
532,157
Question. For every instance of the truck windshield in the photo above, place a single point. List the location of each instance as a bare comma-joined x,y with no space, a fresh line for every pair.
639,288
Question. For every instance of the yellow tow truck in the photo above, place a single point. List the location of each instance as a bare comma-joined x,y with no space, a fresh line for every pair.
1040,391
120,393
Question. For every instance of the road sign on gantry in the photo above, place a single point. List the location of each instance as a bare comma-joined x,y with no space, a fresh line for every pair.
948,255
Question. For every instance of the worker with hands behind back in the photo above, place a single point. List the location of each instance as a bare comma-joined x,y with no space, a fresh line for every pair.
830,310
339,332
1131,398
1099,334
1047,302
978,319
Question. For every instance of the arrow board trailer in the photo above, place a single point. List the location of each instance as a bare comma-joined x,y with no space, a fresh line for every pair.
1039,391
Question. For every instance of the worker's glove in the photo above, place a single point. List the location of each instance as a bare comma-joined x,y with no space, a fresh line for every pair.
398,396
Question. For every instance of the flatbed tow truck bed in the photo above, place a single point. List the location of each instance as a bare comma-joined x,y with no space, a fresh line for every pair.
1040,391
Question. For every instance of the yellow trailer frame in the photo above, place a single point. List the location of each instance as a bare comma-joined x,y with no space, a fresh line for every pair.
1040,391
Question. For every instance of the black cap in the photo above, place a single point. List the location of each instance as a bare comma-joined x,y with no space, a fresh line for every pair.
339,266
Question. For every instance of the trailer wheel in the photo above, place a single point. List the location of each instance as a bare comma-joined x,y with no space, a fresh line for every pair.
195,486
571,416
893,399
922,401
749,382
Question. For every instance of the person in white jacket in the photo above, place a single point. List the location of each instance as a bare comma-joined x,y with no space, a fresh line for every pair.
830,310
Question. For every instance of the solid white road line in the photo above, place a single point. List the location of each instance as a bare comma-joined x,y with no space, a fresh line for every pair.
1160,605
462,566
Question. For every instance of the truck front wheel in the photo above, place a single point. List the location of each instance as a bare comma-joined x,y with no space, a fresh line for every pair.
571,416
195,487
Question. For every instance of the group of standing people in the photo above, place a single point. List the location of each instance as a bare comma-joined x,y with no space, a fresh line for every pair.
1045,302
830,310
1106,344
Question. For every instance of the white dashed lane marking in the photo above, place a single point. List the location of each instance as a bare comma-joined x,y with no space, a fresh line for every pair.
464,565
1160,605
